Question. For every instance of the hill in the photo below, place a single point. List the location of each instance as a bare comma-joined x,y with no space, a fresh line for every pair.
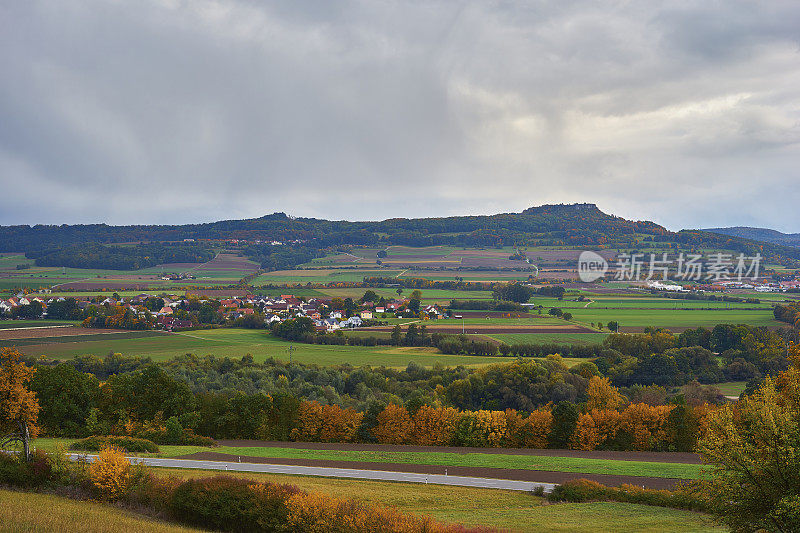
571,225
760,234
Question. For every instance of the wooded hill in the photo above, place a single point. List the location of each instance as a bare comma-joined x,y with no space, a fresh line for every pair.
547,225
760,234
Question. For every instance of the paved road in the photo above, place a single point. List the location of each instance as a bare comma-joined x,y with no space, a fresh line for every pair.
436,479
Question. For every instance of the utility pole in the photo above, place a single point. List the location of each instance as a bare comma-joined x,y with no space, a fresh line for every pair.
290,350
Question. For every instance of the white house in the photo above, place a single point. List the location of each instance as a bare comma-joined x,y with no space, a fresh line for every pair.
352,322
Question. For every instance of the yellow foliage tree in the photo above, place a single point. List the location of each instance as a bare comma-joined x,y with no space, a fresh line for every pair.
110,474
602,395
17,402
586,436
435,426
596,428
309,422
646,424
530,431
490,427
339,425
394,425
753,449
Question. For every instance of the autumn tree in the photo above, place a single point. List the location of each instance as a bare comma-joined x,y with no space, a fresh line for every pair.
530,431
394,425
309,422
339,425
753,448
646,425
435,426
19,408
602,395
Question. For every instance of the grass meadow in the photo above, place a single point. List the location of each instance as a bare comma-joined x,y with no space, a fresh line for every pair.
513,511
509,510
239,342
32,512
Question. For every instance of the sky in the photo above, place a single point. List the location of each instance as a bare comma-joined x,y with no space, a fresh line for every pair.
173,111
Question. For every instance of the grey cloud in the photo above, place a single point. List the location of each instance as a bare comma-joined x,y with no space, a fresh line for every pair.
177,111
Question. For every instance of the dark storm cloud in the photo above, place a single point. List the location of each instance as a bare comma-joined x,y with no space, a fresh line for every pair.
178,111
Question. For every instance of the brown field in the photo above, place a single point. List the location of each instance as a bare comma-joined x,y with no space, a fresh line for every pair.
227,262
218,293
53,331
118,285
149,277
178,267
309,273
494,275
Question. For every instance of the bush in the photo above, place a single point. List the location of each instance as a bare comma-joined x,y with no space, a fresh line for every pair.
125,444
183,437
32,474
231,504
688,496
111,474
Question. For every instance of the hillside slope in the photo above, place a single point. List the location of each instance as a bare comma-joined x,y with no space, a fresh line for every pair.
760,234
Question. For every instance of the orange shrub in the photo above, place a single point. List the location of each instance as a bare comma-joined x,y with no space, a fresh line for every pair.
320,513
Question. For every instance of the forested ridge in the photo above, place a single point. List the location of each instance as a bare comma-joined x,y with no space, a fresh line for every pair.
576,224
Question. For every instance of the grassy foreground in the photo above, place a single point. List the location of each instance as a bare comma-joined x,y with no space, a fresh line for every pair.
29,512
515,511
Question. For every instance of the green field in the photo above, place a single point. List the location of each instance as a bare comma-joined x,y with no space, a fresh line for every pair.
674,318
731,388
10,324
547,338
259,344
211,273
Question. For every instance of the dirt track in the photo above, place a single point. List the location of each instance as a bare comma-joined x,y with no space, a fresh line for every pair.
495,473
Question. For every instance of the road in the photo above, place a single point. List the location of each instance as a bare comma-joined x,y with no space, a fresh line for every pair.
376,475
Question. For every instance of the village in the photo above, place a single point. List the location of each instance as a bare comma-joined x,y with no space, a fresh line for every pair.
173,312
